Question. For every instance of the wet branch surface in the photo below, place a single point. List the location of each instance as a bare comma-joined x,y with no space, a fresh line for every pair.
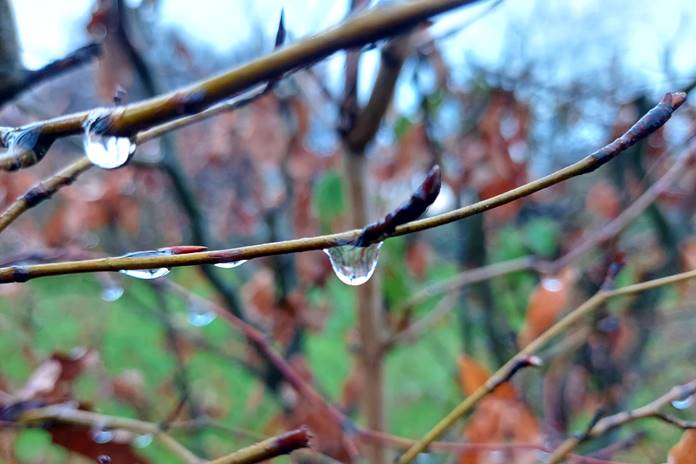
650,122
363,29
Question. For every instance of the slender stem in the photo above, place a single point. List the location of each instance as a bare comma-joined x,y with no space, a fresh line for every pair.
269,448
650,122
650,410
529,263
28,79
558,328
362,29
71,415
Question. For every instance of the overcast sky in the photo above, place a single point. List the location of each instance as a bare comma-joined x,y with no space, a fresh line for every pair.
638,30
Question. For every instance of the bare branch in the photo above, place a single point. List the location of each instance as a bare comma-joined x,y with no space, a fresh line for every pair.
569,320
650,410
27,79
646,125
365,28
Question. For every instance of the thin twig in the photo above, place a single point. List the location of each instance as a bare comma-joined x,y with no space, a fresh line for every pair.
530,263
269,448
362,29
28,79
650,410
569,320
650,122
62,413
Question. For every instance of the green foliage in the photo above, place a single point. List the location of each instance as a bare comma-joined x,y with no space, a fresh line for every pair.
542,236
328,199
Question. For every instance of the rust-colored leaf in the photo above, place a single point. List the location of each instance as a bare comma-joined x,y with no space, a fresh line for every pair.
684,452
502,416
79,439
603,200
547,301
52,380
472,375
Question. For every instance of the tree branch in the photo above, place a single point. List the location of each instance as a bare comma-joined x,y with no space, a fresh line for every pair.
650,122
269,448
66,414
650,410
365,28
27,79
570,319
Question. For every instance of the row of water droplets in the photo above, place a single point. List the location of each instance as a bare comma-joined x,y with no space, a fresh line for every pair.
102,436
198,314
352,265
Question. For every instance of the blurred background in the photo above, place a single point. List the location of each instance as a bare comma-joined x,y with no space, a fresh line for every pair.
496,93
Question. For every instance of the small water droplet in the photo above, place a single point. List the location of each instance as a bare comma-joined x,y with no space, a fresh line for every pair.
231,264
102,436
147,274
143,441
552,284
104,459
354,265
105,151
683,403
199,316
112,293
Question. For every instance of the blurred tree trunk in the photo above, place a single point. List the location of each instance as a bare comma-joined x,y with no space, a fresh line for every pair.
11,68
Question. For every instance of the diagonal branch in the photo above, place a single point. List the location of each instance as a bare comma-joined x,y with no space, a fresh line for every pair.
258,452
650,410
530,263
363,29
27,79
650,122
568,321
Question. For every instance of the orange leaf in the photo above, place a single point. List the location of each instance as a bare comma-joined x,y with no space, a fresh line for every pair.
603,200
472,376
502,416
548,299
684,452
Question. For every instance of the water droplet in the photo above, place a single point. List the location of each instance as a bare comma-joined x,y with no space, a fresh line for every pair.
354,265
199,316
683,403
104,459
143,441
147,274
112,293
105,151
102,436
552,284
231,264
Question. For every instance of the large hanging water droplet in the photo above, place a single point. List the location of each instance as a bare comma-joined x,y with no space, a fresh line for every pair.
231,264
200,316
102,436
354,265
683,403
147,274
105,151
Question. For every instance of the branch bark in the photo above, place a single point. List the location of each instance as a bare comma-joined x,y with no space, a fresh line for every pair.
127,121
650,122
569,320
